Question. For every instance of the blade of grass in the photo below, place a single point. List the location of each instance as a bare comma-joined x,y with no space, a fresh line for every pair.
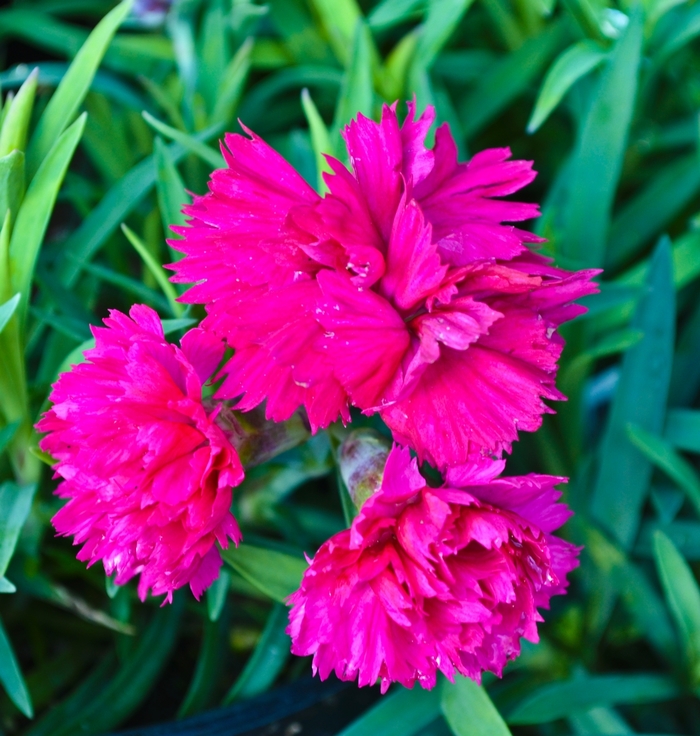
35,211
276,574
11,676
600,150
469,710
73,87
577,61
683,597
661,453
13,134
402,713
640,398
560,699
157,271
267,661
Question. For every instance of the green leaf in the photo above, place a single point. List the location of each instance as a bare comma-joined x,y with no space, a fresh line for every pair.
509,78
637,592
600,151
73,87
640,399
611,296
208,669
389,13
685,535
561,699
15,504
156,270
667,194
172,196
216,594
577,61
683,429
276,574
356,94
683,597
339,19
232,82
33,216
440,22
13,134
402,713
660,452
6,435
267,661
113,209
131,685
11,186
190,143
469,710
7,310
320,139
6,586
11,676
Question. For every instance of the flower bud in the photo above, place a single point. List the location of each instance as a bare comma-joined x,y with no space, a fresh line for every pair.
362,457
257,439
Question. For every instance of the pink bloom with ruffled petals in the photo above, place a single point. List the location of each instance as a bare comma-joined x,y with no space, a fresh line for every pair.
146,467
401,291
430,579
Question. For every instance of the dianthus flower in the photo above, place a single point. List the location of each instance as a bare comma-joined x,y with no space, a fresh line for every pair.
400,291
146,467
430,579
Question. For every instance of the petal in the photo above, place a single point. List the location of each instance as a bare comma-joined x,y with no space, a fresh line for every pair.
365,339
472,400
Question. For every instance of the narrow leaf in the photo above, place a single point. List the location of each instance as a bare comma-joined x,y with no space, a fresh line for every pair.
74,86
7,310
113,209
509,78
640,399
13,134
171,191
469,710
267,661
320,139
11,676
276,574
156,270
356,94
643,218
402,713
683,429
33,216
683,596
600,151
560,699
660,452
15,503
577,61
190,143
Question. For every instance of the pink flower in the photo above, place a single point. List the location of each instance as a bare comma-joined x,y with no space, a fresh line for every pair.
146,467
400,291
431,579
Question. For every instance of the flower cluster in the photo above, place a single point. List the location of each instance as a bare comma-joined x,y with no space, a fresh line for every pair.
403,292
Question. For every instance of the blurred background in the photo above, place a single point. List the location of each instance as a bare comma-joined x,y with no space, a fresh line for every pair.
111,114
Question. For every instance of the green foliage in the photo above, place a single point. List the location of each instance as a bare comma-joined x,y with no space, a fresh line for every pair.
100,147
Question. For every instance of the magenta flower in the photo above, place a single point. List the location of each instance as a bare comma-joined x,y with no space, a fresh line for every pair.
401,291
430,579
146,467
